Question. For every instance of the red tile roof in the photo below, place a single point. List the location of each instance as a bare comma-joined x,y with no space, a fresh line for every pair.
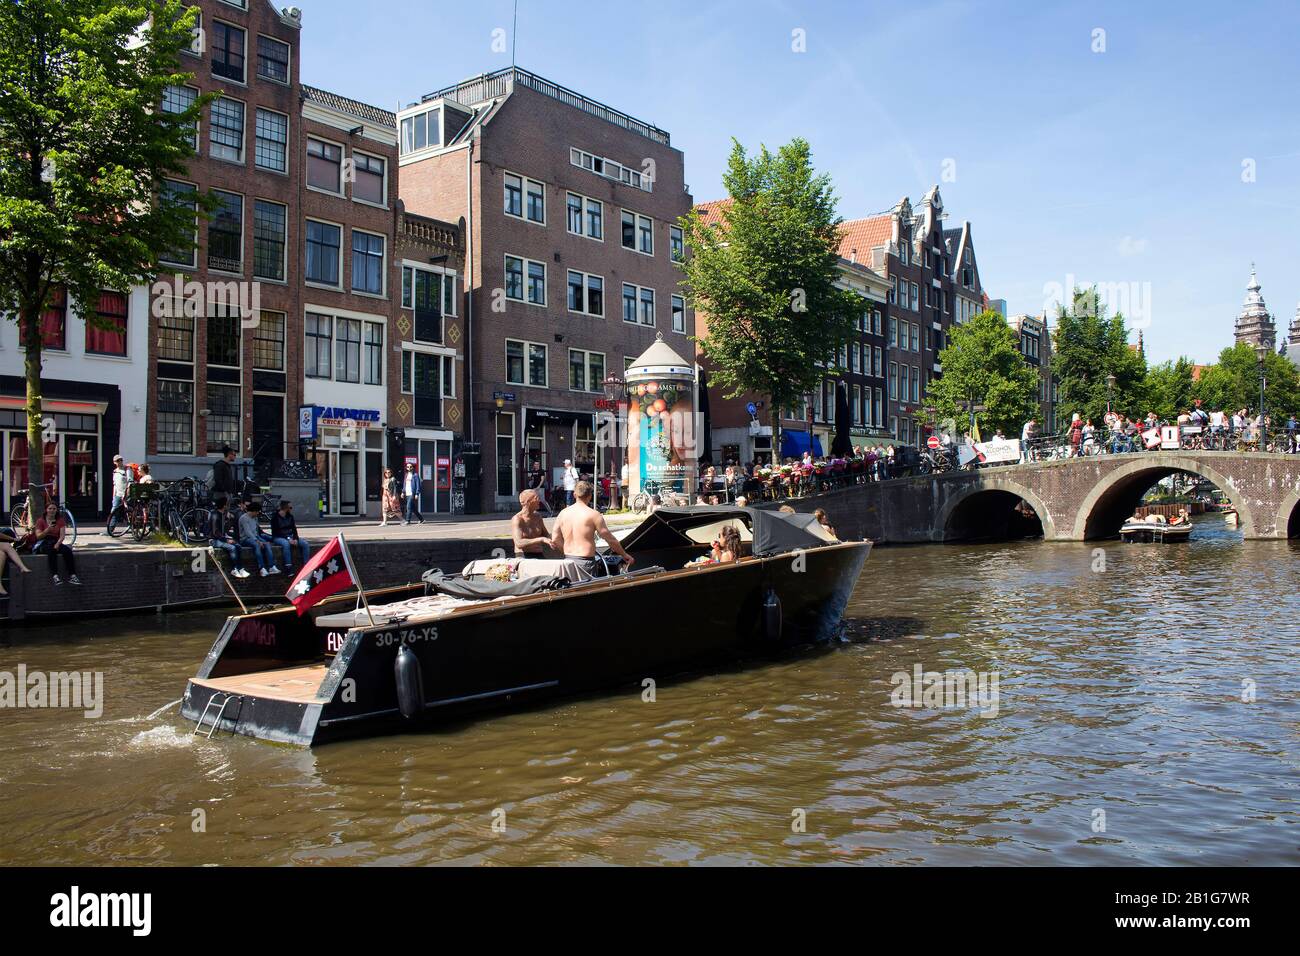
863,235
711,212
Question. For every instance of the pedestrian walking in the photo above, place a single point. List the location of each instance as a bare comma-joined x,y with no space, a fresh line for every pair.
391,504
569,477
411,488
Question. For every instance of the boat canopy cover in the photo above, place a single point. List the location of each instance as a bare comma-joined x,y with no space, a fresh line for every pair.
774,531
484,589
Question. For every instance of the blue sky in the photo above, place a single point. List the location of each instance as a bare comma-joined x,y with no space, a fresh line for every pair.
1122,167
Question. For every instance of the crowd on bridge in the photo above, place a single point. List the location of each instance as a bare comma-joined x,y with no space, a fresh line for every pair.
1193,429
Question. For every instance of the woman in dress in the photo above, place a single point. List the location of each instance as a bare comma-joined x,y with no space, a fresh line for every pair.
392,503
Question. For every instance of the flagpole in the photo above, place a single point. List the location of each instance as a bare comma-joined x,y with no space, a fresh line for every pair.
347,561
213,553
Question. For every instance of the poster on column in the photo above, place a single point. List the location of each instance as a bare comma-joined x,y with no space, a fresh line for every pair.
660,416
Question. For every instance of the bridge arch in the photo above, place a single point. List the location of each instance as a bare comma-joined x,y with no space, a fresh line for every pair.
1288,516
998,493
1115,496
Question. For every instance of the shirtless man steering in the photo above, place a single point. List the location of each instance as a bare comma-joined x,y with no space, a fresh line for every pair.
576,529
532,540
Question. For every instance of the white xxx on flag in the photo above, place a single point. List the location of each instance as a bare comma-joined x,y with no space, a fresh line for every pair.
328,572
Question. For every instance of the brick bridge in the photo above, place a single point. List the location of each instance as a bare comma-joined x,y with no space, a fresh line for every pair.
1079,499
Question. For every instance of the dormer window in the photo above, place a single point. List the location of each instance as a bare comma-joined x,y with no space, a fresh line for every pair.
421,130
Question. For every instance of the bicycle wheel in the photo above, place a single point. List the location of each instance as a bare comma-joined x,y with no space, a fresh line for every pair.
70,535
194,524
18,519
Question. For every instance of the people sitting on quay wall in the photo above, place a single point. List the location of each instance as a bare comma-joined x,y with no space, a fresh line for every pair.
284,534
221,536
251,536
9,555
50,530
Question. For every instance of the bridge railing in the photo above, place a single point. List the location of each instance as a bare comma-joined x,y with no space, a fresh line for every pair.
1105,442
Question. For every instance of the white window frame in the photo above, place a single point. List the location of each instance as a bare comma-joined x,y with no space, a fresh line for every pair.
288,63
343,234
383,268
676,307
343,158
243,134
585,204
586,370
284,257
288,139
524,183
243,80
610,169
527,348
387,165
675,233
198,122
586,293
526,262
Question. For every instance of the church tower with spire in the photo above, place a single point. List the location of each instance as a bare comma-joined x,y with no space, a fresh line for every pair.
1291,345
1254,324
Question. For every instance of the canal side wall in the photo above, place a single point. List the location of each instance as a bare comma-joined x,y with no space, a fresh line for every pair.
176,578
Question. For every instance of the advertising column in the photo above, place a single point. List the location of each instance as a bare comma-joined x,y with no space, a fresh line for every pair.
662,447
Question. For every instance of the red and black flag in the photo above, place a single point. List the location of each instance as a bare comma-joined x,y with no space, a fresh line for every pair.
328,572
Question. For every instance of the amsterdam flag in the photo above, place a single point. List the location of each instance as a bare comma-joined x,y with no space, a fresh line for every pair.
328,572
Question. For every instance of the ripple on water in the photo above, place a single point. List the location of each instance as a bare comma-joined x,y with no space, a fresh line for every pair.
1120,693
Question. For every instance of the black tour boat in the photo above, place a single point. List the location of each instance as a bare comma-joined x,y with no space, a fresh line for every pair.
455,644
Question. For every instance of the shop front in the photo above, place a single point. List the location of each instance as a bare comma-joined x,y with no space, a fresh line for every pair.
80,439
552,435
347,445
430,451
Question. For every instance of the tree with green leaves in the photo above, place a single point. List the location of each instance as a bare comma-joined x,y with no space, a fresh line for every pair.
983,365
84,151
1168,388
1088,348
765,278
1233,382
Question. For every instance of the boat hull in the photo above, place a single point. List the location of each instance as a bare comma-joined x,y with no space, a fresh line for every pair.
622,631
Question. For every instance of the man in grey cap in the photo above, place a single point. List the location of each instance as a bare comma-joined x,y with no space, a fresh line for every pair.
121,480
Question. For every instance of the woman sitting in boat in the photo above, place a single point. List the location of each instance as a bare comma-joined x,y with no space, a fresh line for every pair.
725,549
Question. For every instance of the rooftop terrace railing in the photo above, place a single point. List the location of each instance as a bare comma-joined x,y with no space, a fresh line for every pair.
491,85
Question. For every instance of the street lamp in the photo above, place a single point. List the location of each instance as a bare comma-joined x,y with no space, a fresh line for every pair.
1110,389
615,392
1262,351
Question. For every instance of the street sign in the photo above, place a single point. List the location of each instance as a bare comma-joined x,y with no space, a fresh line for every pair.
933,441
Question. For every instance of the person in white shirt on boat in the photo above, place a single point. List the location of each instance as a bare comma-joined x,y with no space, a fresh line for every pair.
576,529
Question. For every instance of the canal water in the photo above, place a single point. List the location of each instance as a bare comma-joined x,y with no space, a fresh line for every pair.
1146,712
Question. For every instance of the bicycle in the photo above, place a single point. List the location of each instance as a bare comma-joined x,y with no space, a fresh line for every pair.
22,526
141,511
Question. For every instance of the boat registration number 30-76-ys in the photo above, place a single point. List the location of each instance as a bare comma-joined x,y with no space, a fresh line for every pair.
406,636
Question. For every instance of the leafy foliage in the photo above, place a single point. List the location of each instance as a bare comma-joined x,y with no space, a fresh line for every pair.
765,276
84,150
982,365
1233,383
1088,348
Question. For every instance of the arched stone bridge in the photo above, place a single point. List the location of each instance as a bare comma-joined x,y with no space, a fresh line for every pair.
1078,499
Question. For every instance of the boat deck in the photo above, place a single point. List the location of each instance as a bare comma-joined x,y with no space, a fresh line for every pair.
296,684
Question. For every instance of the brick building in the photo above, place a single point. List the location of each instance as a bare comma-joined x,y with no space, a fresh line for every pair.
738,436
933,281
569,211
222,377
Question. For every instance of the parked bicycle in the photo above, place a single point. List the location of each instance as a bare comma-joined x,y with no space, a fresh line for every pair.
19,521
